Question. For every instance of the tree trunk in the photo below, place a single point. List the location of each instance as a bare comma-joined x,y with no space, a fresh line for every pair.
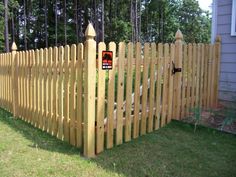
56,23
136,21
102,21
80,23
159,25
95,17
65,23
131,20
46,22
6,38
25,29
76,21
140,18
13,27
163,22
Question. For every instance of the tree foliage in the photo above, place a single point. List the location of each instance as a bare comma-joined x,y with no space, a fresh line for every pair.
38,23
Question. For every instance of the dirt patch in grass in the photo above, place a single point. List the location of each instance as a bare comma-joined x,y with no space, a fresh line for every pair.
215,118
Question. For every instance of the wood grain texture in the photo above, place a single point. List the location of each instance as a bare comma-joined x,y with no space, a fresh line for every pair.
128,105
100,100
111,98
137,90
120,94
159,86
152,87
145,88
79,83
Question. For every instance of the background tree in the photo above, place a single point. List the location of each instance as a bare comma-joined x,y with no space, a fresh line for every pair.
6,38
42,23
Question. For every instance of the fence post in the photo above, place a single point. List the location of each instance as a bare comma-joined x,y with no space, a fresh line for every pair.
178,75
14,80
218,58
89,92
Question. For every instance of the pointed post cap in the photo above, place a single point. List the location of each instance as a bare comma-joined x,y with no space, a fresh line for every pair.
178,35
13,47
218,39
90,32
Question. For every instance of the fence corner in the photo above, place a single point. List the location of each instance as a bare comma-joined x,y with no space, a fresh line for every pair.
89,92
14,80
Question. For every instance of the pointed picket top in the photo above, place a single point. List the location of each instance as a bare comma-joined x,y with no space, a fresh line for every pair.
178,35
90,32
218,39
13,47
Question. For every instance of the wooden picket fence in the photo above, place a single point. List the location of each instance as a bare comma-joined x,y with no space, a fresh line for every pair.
65,92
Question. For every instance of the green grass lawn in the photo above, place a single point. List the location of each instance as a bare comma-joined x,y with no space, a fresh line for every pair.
171,151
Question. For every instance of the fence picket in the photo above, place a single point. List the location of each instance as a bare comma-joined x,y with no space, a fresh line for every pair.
33,87
45,89
9,81
159,85
20,84
79,108
193,91
4,80
100,100
72,102
66,105
165,84
111,98
129,77
213,64
184,82
37,89
152,87
198,74
209,76
41,89
55,92
60,94
170,93
1,80
137,90
120,94
27,86
201,91
145,88
50,91
205,75
218,57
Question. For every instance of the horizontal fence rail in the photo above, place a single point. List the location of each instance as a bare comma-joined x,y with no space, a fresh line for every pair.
65,92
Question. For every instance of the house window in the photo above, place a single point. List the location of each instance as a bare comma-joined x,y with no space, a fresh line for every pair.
233,22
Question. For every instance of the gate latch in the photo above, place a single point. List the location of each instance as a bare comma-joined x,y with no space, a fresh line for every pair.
174,69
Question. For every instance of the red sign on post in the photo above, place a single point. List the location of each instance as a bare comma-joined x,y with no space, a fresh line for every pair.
107,60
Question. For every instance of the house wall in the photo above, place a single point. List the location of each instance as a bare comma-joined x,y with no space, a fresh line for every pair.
227,82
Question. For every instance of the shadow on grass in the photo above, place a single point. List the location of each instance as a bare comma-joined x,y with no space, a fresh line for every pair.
38,138
173,150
